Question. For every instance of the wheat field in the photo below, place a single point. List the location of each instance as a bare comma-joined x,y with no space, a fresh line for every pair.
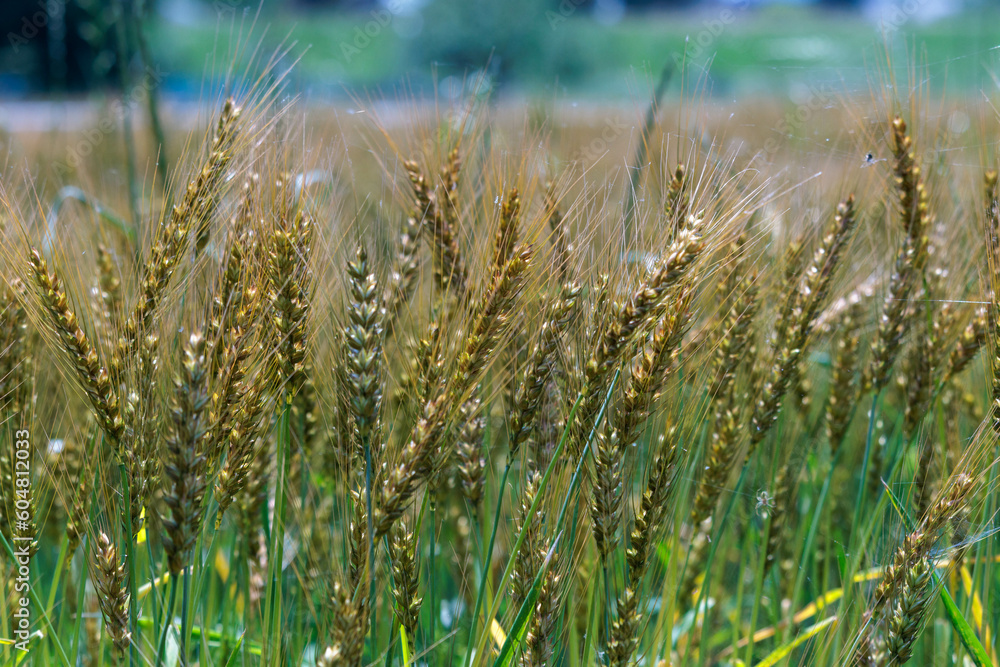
469,383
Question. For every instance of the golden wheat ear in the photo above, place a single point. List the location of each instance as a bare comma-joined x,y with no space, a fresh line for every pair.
403,278
192,213
911,259
901,597
405,577
648,522
843,374
529,393
449,267
289,289
185,462
90,372
17,401
245,442
363,336
992,233
812,294
417,459
469,449
110,576
349,626
648,373
625,319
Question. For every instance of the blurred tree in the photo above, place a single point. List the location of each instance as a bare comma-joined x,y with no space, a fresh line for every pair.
59,44
520,39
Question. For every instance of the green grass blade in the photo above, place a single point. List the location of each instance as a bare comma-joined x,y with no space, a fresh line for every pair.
519,629
404,646
574,484
486,556
783,651
962,627
36,601
236,651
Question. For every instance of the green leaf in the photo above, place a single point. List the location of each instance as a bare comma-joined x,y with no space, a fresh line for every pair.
38,605
519,629
236,651
404,645
784,651
962,627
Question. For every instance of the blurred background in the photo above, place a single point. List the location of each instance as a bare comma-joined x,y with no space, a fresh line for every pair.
584,48
765,77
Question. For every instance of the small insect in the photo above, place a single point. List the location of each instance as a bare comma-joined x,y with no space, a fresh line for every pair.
870,159
765,502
